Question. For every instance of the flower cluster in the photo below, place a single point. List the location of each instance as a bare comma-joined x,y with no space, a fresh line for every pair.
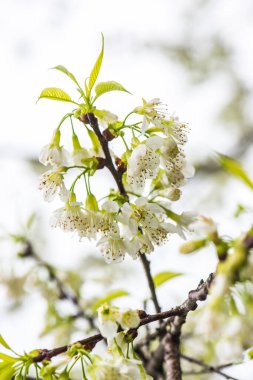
117,369
149,172
110,318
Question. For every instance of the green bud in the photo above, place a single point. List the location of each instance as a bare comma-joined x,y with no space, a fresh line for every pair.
56,138
75,142
135,142
78,113
222,250
91,203
193,246
73,350
72,198
174,194
48,371
33,353
94,140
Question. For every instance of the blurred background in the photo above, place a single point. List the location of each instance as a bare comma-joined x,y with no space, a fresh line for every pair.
197,56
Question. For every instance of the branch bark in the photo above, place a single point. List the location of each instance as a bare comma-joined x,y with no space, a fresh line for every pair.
188,305
146,266
209,368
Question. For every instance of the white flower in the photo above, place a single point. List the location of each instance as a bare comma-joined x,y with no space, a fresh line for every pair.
139,244
160,235
110,317
107,320
79,155
113,248
69,218
129,319
51,183
174,128
104,370
89,227
184,222
53,155
119,368
173,159
204,226
108,224
152,111
72,217
143,163
133,369
147,223
105,117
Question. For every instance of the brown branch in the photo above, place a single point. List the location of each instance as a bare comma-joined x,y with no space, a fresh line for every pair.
209,368
93,121
63,292
189,304
146,266
169,347
117,175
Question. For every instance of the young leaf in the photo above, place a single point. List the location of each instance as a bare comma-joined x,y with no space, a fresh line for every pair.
7,358
71,76
162,277
4,343
66,72
103,87
234,167
7,373
108,298
55,94
95,71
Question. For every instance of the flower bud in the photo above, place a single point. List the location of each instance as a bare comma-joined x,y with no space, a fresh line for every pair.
193,246
91,203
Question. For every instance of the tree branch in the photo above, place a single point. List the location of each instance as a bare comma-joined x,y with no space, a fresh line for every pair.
108,159
63,292
169,347
188,305
146,266
209,368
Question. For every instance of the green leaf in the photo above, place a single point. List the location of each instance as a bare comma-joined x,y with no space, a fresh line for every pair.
162,277
66,72
96,69
4,343
7,358
103,87
234,167
54,93
108,298
70,75
7,373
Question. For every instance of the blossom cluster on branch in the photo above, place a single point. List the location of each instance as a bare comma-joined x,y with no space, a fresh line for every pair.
149,168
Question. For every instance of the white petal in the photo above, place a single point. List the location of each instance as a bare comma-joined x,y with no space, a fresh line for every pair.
155,142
